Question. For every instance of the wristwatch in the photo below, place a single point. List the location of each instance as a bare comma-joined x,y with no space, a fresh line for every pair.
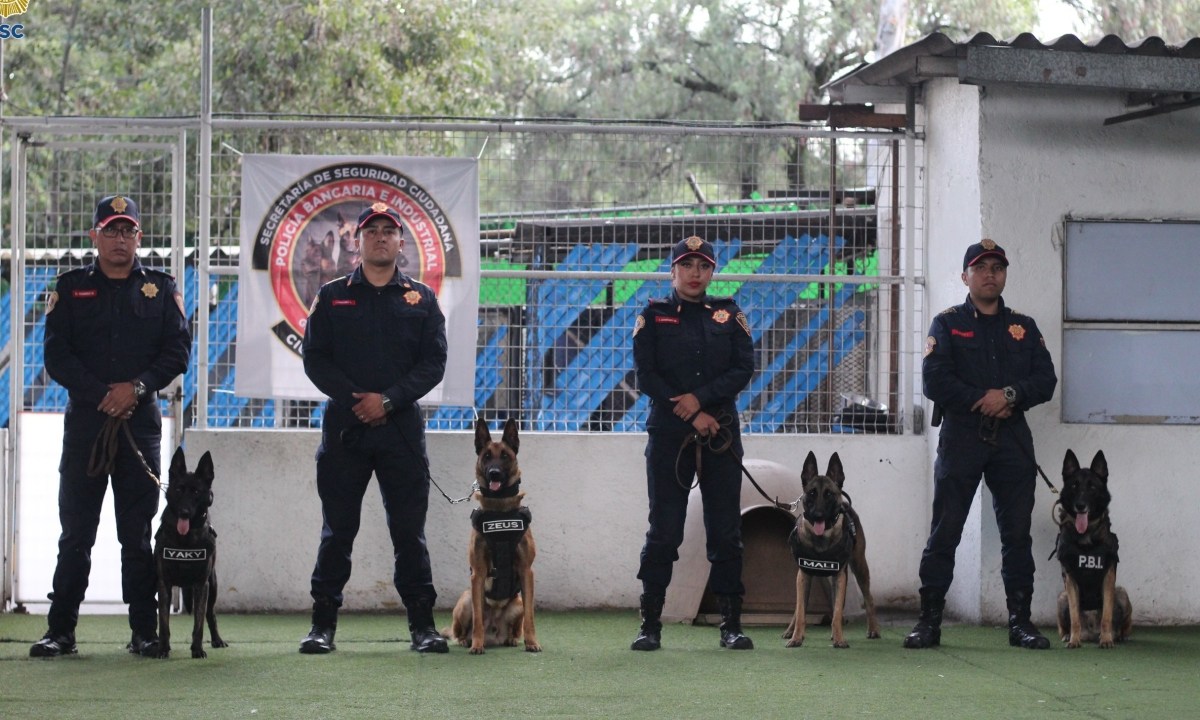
1010,395
387,403
139,389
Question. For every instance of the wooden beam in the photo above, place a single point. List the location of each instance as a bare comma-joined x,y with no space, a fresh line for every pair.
842,116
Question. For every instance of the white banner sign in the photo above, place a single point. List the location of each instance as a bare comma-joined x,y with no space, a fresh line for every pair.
298,232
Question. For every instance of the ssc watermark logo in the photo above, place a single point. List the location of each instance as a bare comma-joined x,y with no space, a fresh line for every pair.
10,8
308,236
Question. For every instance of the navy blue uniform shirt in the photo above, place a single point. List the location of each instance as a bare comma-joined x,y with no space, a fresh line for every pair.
362,338
101,331
967,354
703,348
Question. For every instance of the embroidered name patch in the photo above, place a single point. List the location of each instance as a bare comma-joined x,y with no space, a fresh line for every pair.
962,333
178,554
666,319
83,293
491,526
831,566
343,303
1091,562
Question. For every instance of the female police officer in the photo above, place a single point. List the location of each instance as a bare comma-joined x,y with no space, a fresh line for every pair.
693,355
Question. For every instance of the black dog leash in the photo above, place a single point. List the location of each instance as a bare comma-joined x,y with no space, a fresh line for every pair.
103,459
720,442
989,428
351,435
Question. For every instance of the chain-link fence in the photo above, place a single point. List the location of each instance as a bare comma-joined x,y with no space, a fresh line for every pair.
576,226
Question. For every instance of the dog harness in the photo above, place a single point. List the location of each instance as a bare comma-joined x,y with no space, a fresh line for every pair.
185,566
1087,565
502,530
823,562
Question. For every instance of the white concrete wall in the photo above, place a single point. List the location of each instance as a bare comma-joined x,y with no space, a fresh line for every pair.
587,494
1042,155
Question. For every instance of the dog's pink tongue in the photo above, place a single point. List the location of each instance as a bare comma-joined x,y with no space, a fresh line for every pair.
1081,523
182,525
819,528
494,485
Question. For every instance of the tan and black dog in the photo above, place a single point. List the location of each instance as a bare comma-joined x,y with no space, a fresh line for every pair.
185,552
1087,549
828,541
498,607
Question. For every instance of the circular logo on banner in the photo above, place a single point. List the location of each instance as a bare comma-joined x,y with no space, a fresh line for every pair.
309,237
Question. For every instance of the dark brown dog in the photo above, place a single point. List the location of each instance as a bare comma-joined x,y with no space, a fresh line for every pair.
498,608
185,551
1087,549
828,541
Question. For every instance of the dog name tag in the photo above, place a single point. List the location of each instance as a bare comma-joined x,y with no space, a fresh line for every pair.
492,526
819,566
177,554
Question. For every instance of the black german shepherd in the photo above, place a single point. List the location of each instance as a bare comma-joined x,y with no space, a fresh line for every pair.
185,551
828,541
1087,549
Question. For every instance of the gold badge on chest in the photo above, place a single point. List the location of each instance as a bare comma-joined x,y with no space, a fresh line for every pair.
721,316
150,290
412,297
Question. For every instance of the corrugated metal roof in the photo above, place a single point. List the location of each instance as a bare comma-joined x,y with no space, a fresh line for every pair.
1149,65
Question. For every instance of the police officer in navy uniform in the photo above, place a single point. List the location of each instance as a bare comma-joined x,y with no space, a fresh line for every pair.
115,335
985,365
375,343
693,354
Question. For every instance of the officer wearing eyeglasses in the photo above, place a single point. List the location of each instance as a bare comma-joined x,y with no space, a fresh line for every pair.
375,343
115,335
985,365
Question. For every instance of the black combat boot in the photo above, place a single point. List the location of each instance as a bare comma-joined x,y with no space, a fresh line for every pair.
650,635
54,645
144,644
425,637
319,640
928,630
731,623
1021,630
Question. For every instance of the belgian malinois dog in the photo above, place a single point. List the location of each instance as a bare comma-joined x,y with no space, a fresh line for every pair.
1087,550
498,607
828,541
185,551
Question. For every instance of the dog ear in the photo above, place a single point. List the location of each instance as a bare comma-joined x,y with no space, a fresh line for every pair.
834,471
204,469
510,435
1100,465
809,471
482,436
1070,464
178,462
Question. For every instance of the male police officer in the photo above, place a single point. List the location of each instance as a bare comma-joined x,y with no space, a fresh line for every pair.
984,366
115,335
375,343
693,354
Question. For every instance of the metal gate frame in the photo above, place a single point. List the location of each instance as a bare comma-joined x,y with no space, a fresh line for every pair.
174,134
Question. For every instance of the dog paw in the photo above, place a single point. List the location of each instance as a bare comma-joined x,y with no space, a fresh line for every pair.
198,653
794,642
873,635
163,653
476,650
532,647
841,644
219,643
1107,643
1073,644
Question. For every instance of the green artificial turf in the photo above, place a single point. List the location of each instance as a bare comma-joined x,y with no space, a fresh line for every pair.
587,671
